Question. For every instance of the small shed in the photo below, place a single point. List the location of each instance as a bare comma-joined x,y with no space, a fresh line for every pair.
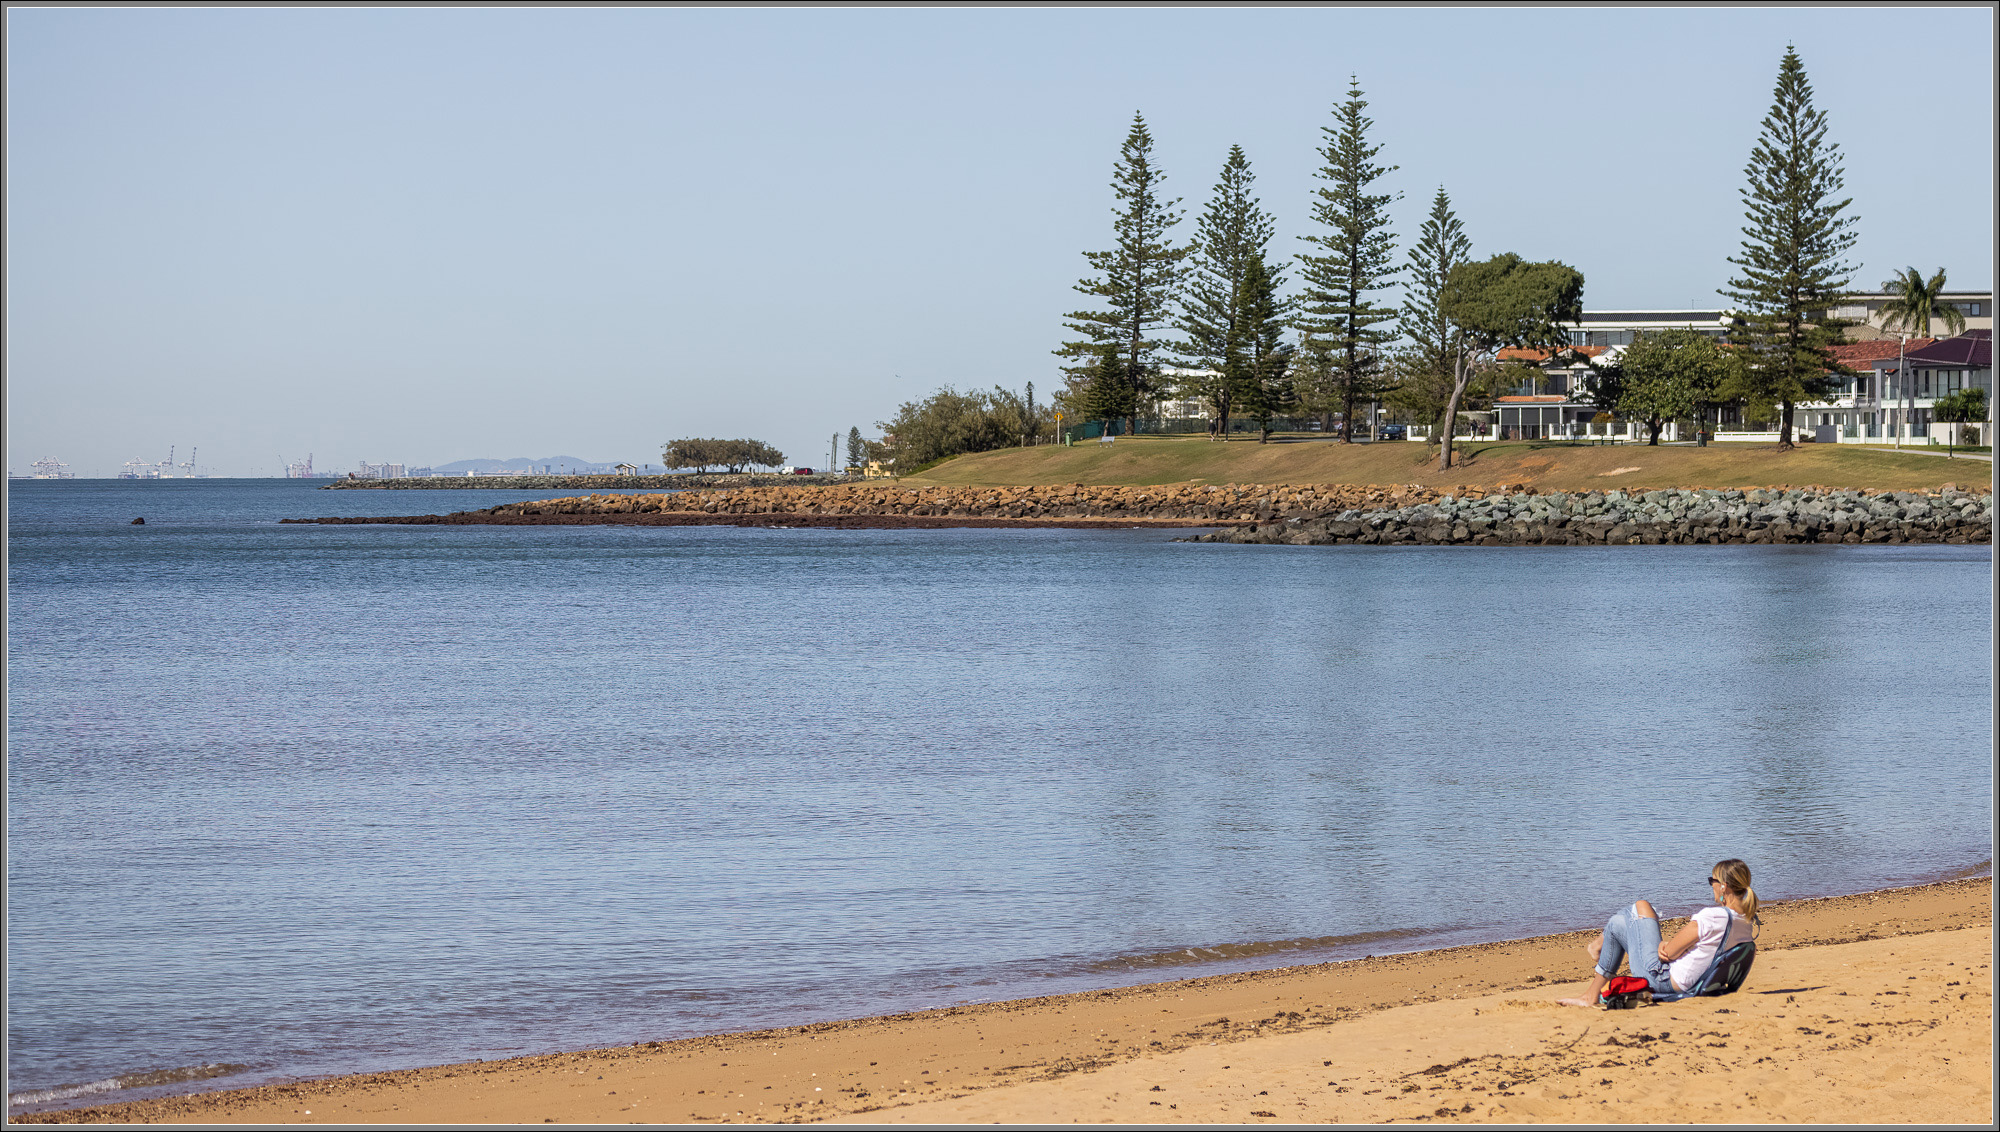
627,469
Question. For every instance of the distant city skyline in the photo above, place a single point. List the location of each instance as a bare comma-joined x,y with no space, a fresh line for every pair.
429,235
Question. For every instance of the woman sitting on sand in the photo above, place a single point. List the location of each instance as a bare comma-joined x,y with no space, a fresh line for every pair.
1677,963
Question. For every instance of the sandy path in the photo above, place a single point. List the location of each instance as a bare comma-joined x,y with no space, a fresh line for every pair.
1876,1007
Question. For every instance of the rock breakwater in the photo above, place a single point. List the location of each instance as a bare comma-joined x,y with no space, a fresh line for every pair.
1645,518
683,482
1181,502
1299,514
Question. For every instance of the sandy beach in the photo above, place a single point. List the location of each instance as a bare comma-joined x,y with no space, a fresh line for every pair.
1875,1007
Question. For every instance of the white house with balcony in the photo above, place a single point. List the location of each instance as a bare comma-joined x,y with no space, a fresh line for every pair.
1898,386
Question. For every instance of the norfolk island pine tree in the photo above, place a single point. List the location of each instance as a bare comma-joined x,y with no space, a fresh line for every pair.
1258,361
1356,257
1138,279
1791,273
1433,341
1229,231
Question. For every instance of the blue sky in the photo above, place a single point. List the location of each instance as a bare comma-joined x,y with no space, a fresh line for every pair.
426,235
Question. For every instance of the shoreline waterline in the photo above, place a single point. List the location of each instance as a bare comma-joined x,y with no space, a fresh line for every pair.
1341,989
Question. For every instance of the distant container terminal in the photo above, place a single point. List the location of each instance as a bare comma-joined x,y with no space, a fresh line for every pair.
165,470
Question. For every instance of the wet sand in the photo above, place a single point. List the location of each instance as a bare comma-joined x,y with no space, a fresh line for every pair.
1869,1008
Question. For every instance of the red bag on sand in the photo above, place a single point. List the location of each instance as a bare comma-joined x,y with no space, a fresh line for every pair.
1624,992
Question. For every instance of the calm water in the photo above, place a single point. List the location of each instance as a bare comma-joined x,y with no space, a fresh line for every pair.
317,799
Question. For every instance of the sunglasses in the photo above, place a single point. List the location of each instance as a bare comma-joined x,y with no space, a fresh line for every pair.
1712,880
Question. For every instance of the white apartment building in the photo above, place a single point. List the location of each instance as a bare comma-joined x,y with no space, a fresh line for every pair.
1976,307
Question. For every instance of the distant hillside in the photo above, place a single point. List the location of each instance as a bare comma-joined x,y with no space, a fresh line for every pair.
555,465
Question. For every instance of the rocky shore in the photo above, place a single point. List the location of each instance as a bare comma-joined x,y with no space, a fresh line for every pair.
885,505
585,483
1648,518
1180,502
1298,514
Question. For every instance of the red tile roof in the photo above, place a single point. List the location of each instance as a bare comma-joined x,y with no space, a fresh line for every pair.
1875,350
1519,354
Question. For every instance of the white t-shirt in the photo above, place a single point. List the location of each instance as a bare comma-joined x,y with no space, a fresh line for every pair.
1711,922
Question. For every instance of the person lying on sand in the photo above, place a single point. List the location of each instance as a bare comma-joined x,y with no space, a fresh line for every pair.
1677,963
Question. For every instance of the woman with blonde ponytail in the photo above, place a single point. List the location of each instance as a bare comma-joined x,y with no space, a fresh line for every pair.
1673,966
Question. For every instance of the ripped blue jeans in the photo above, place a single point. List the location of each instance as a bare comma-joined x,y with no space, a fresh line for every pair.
1630,934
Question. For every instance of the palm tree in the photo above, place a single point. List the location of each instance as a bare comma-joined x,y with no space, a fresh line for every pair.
1912,305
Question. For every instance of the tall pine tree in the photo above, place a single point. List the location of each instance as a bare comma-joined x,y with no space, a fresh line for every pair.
1138,280
1441,245
1257,361
1356,258
1791,272
1232,229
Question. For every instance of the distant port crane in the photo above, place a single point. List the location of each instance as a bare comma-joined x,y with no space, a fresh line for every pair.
165,470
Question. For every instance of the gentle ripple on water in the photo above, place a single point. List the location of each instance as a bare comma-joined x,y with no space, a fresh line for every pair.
316,799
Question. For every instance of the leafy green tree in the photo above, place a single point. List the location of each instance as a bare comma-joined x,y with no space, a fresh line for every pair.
745,453
952,423
1791,273
694,454
1671,376
1966,406
1425,368
1912,304
1233,228
1356,258
1137,280
735,455
1500,302
1258,359
1107,396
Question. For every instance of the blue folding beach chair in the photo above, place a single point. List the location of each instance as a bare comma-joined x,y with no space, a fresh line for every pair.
1725,973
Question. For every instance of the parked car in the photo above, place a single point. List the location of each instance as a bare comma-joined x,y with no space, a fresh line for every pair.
1395,432
802,471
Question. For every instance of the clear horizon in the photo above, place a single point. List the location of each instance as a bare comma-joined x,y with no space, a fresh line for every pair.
425,236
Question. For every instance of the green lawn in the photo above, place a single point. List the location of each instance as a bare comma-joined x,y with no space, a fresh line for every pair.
1545,465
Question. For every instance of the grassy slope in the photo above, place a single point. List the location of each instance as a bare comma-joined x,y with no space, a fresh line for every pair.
1545,466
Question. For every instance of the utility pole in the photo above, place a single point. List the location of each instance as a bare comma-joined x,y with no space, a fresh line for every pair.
1902,380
